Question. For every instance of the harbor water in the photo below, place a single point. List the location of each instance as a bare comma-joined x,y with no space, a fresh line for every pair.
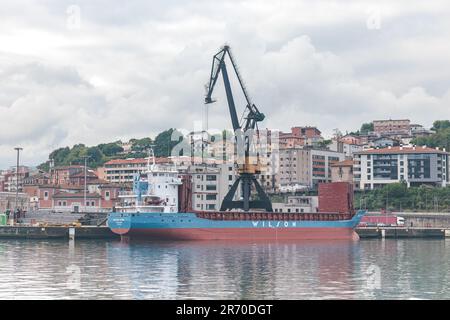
368,269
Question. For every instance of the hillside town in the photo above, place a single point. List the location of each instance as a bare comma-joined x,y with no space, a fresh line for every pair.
368,160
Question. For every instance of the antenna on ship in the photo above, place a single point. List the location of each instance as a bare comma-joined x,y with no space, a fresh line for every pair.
151,153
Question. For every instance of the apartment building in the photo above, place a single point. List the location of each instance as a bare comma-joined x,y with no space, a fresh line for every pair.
210,184
306,166
390,127
10,181
124,170
416,166
300,136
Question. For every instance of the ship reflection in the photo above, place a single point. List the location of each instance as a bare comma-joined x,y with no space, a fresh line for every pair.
235,270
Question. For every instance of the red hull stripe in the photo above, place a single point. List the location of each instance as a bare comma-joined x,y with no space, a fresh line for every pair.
241,233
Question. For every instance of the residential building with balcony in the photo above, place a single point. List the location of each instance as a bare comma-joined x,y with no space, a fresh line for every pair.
300,136
306,166
392,127
210,184
124,170
62,174
416,165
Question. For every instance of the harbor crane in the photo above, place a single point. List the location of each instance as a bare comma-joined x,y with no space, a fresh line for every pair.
244,131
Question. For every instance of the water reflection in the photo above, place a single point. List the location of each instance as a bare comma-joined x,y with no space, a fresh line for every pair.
369,269
232,270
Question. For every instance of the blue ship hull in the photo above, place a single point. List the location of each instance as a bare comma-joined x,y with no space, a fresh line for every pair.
189,226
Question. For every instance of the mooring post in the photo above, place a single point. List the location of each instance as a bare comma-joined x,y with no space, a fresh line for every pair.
71,233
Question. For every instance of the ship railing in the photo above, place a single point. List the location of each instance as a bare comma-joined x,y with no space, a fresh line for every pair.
273,216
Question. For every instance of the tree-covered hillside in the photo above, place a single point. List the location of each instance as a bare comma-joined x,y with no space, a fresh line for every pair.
104,152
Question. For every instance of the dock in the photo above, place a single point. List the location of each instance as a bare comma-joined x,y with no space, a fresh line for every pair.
402,232
57,232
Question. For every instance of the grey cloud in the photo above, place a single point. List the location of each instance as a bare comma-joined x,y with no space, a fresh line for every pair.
136,68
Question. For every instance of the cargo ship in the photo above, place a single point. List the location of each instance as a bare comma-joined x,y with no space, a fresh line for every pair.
158,208
151,211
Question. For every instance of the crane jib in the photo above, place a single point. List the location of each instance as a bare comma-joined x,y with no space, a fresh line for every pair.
251,117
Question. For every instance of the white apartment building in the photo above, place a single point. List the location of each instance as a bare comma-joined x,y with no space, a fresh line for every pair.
416,166
210,184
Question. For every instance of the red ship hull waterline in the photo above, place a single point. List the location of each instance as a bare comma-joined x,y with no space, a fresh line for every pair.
240,234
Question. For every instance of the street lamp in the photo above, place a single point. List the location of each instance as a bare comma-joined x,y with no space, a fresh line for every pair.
85,180
16,207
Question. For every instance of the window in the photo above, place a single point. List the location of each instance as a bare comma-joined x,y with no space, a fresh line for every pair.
211,187
107,195
46,195
211,197
93,203
368,177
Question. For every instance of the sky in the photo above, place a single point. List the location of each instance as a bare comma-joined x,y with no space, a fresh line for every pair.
99,71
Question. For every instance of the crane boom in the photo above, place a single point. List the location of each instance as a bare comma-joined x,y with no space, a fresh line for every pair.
249,122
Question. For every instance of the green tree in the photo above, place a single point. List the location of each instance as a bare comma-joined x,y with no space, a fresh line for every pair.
366,128
59,155
439,139
95,156
164,143
141,145
324,143
110,149
440,124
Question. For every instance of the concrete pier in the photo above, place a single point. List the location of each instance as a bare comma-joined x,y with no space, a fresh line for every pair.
29,232
402,232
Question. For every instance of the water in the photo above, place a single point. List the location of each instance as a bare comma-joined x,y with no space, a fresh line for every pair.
368,269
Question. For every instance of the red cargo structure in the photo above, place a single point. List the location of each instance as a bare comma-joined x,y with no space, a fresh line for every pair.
336,197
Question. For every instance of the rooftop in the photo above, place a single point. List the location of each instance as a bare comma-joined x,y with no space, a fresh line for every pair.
136,161
89,174
402,150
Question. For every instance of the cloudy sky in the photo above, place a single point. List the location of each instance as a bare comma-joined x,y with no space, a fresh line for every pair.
98,71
